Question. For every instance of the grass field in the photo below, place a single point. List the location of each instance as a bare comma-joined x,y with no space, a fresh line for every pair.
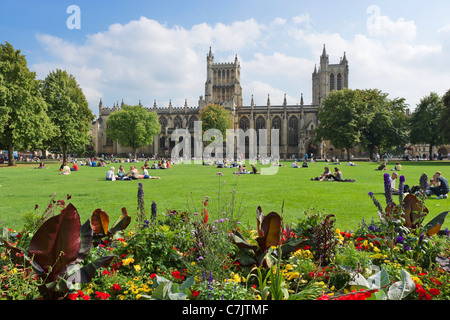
185,186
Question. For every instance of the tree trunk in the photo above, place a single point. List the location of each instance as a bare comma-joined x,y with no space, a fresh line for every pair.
431,152
11,160
348,154
64,150
371,152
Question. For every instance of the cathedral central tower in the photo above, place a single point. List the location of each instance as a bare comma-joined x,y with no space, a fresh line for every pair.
223,83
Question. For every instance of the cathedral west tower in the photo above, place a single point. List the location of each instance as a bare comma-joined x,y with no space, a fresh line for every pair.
329,77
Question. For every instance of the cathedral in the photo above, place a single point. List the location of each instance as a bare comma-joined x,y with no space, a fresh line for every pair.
296,122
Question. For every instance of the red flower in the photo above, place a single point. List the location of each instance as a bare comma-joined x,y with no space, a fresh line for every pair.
324,297
177,275
153,275
116,287
102,295
195,293
434,291
72,296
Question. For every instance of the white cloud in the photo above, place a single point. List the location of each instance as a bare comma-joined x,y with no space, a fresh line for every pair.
146,60
302,19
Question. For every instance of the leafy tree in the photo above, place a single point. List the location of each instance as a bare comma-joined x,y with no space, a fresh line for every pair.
444,125
216,117
424,122
388,126
69,112
24,123
133,126
342,118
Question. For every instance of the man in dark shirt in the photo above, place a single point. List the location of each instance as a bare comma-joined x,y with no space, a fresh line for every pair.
441,187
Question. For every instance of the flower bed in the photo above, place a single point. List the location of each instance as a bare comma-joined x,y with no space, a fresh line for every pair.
209,255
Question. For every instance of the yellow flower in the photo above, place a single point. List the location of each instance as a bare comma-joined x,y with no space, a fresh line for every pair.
375,249
137,268
416,279
127,261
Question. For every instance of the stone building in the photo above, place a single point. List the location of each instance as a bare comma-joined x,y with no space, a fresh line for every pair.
296,122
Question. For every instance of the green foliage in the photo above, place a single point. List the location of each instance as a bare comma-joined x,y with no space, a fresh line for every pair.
424,121
444,128
69,112
342,118
386,291
133,126
23,112
388,126
216,117
167,290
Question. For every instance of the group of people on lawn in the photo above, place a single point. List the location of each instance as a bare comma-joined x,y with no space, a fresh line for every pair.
438,185
134,173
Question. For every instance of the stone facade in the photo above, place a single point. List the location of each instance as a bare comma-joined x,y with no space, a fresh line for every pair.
296,122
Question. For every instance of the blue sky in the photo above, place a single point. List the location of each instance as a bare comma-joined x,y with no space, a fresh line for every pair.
156,50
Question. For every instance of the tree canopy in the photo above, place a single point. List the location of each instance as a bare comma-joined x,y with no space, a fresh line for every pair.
367,118
388,125
69,112
133,126
24,123
342,118
444,119
425,120
216,117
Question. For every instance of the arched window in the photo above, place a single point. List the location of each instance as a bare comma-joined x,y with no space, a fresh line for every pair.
339,82
331,82
276,124
178,122
192,121
260,123
163,122
244,124
293,131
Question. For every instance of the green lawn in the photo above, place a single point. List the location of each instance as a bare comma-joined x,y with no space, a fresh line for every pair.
185,186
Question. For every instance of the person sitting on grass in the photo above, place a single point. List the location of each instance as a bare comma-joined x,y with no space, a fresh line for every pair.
295,164
41,166
65,169
337,175
254,170
398,167
441,187
121,174
74,167
145,174
394,177
305,164
324,175
110,176
133,174
382,166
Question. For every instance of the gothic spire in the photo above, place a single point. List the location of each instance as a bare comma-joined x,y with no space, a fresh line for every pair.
324,51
